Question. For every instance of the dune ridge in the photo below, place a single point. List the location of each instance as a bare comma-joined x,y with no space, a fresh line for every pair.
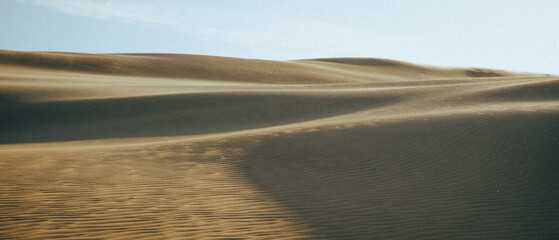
230,69
170,146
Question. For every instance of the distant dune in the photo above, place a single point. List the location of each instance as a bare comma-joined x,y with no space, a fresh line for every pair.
170,146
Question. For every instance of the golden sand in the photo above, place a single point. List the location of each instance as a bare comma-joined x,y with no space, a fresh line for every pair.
162,146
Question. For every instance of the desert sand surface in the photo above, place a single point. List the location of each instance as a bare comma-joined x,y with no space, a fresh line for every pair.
169,146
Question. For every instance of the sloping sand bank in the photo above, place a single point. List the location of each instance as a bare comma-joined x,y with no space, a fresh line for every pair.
156,146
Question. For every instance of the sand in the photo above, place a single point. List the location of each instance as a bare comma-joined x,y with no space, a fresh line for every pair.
169,146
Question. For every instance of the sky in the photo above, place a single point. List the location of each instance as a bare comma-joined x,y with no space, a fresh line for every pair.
517,35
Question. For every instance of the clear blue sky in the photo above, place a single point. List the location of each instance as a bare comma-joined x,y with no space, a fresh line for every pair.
506,34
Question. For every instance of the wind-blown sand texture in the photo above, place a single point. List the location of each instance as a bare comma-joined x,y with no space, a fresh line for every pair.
161,146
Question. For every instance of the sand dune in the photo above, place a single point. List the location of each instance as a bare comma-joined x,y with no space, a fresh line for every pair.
168,146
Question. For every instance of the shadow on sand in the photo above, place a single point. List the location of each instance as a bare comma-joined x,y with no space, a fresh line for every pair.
478,177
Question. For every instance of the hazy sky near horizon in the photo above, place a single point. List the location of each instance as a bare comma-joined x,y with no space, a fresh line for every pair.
519,35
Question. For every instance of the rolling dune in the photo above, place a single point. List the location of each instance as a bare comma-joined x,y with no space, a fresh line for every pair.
169,146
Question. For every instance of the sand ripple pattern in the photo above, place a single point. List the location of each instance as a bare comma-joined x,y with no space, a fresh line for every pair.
481,177
170,192
159,146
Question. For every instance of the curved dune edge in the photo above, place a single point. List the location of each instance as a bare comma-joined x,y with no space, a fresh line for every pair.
264,186
362,118
199,147
181,66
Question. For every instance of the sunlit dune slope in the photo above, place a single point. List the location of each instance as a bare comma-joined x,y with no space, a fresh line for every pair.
230,69
71,96
169,146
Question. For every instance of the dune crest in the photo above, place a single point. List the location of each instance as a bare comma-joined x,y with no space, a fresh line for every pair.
171,146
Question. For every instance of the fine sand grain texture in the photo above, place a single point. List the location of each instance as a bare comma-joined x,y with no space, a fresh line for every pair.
168,146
